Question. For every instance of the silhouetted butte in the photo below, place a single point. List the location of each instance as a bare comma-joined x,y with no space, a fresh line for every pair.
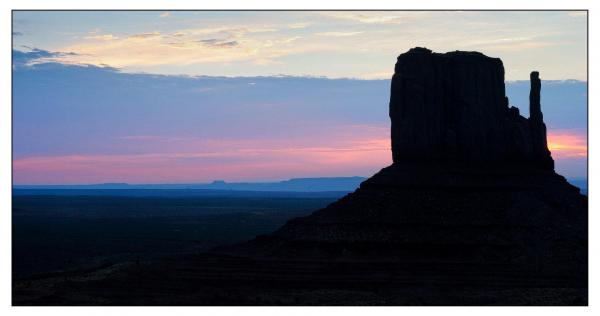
472,182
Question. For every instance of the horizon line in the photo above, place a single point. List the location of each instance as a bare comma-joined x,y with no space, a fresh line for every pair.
214,181
188,183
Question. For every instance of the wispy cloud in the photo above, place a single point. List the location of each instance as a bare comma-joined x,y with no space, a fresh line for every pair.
183,47
378,17
33,56
218,43
152,138
509,44
102,37
165,14
265,62
337,34
145,35
299,25
248,40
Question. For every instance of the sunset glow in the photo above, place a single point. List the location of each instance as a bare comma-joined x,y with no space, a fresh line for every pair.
193,96
240,161
565,144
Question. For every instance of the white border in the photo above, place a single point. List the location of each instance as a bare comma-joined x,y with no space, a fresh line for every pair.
5,145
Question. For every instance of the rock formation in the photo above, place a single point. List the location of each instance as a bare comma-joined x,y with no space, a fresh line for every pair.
472,181
452,108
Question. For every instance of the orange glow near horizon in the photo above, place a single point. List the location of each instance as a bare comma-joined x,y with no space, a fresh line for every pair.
567,144
238,160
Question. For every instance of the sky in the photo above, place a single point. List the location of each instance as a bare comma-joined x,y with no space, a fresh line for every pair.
362,44
175,97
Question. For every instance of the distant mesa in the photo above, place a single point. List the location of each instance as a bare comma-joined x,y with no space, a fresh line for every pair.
326,184
218,184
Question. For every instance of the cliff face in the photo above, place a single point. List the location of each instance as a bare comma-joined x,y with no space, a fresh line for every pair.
452,108
472,183
472,179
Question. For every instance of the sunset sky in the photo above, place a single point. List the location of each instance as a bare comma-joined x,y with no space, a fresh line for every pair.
172,97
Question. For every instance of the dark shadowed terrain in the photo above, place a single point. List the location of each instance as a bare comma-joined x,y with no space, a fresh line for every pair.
55,230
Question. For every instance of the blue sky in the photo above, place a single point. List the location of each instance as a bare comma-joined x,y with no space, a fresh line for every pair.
362,44
171,97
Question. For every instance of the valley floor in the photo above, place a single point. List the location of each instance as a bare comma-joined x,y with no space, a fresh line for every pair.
211,279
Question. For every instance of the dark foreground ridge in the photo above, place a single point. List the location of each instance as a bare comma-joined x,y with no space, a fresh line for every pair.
471,212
